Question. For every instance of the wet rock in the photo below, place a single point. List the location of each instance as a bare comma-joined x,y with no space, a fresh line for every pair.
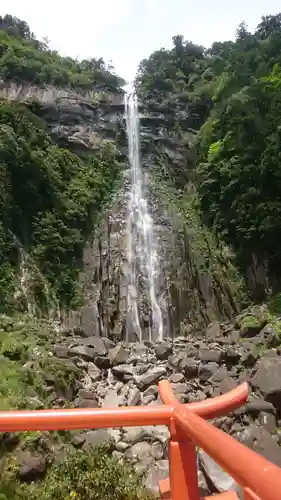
32,467
267,380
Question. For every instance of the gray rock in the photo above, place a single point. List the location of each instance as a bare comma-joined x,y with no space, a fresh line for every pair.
93,371
227,385
61,351
213,330
31,467
121,370
180,388
112,399
96,343
267,380
138,451
206,355
176,377
219,375
134,397
255,405
189,367
163,351
150,377
259,439
157,472
214,473
84,352
268,421
207,370
157,450
118,355
96,438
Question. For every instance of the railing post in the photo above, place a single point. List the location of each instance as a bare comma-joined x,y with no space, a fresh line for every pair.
183,467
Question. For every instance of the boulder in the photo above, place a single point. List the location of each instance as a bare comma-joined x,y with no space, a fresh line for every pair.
118,355
259,440
207,370
84,352
150,377
134,397
156,473
121,370
267,380
139,451
163,351
96,343
206,355
31,467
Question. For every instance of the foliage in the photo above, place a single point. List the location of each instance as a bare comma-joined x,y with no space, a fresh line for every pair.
25,342
79,477
233,94
49,201
25,59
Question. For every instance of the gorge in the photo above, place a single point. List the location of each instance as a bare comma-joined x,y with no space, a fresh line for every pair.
138,240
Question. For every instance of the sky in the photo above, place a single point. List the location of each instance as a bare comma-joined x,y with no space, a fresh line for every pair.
127,31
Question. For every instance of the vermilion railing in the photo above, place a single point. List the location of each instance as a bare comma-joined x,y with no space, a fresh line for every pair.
259,478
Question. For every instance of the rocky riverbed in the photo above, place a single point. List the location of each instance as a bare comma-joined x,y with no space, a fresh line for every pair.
198,366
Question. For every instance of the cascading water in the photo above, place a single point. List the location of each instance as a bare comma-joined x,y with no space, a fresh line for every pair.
141,244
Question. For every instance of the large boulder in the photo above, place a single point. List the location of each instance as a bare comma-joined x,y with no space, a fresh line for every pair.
267,380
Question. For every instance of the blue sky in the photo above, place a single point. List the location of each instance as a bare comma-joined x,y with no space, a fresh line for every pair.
127,31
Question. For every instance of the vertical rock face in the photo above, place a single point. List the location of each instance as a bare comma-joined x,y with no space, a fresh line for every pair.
196,282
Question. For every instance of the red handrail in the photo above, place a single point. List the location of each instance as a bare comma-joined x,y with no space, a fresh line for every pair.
259,477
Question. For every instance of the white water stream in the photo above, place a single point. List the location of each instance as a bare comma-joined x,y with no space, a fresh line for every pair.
141,242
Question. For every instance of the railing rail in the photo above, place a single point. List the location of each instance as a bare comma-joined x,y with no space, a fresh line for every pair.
258,477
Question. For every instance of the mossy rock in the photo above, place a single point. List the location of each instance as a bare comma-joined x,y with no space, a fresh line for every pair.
250,325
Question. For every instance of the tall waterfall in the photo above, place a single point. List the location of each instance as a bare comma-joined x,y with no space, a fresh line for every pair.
141,243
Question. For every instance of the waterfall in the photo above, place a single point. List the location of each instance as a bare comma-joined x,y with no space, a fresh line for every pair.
141,242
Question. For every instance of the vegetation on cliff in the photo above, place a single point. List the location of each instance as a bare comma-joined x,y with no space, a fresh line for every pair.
50,200
25,59
233,92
